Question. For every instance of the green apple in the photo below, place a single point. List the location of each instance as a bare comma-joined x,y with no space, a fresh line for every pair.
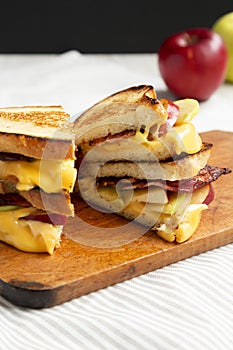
224,27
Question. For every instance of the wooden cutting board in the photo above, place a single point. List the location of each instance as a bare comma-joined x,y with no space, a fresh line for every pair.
94,253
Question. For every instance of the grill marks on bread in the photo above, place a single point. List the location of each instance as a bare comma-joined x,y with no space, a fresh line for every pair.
52,116
37,132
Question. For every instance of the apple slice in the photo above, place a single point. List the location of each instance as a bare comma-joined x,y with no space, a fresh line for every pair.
204,195
188,108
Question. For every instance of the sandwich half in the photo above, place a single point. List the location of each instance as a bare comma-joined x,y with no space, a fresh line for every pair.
37,175
142,158
133,124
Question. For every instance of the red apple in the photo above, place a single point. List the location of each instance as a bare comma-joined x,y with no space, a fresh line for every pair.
193,63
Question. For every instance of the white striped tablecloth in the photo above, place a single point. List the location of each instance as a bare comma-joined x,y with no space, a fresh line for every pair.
187,305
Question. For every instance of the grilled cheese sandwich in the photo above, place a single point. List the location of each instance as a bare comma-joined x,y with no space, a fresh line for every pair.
37,175
142,158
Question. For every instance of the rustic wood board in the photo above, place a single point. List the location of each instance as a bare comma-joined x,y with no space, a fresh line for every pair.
41,280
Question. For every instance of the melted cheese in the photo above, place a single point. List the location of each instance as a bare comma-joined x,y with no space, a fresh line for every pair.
177,218
50,175
182,138
186,227
28,235
152,195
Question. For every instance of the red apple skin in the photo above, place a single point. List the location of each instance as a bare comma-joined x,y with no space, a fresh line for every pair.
210,196
193,63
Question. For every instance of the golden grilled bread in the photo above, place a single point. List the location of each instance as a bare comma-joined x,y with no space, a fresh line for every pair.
36,131
170,169
127,126
119,112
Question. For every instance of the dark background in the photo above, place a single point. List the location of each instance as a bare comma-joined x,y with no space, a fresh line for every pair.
100,26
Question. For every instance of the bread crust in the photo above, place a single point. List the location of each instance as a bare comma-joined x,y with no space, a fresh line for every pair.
37,147
170,169
37,132
124,110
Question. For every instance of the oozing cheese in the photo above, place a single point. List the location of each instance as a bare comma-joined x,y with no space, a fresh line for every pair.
186,227
182,138
49,175
28,235
176,219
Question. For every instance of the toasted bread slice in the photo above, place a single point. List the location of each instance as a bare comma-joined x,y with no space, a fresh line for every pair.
170,169
126,126
37,132
124,110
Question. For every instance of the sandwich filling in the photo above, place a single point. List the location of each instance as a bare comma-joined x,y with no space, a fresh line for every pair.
33,216
172,208
153,142
29,235
27,228
50,175
37,175
139,144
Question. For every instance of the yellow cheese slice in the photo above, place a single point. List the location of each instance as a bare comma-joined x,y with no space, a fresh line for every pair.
50,175
177,218
181,138
184,138
28,235
187,226
152,195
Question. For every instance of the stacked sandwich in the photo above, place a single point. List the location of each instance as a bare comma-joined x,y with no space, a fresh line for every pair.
143,159
37,174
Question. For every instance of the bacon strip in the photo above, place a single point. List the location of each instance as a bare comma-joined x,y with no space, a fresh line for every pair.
113,138
205,176
13,199
5,156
